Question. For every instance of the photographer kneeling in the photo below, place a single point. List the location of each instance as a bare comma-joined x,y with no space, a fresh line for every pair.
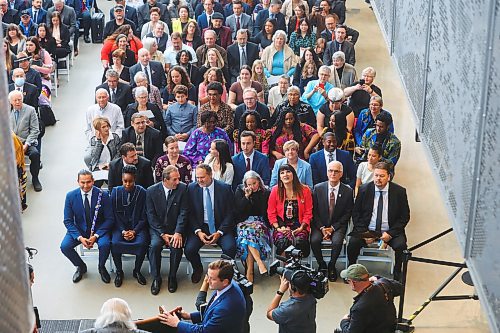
298,313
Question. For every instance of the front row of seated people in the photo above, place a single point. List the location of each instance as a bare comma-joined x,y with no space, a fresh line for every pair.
247,223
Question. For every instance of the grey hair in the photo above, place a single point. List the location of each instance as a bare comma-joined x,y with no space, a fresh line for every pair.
242,31
57,1
369,70
253,175
20,70
148,42
277,33
377,99
140,90
13,93
140,75
338,55
211,31
112,73
101,90
293,88
286,77
337,163
325,68
117,311
250,89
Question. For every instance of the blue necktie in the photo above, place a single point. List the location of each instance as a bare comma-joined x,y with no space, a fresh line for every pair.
210,212
271,16
16,114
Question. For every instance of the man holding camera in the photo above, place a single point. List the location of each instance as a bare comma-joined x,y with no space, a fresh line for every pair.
224,313
298,313
373,309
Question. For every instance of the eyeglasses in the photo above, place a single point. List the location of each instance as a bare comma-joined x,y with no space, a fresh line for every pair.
140,122
335,172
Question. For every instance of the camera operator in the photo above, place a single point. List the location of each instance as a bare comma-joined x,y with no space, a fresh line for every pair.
373,309
298,313
224,313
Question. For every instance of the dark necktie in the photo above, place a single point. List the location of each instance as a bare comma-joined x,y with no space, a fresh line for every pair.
330,157
88,213
139,147
340,47
380,208
210,212
271,16
113,96
248,164
243,57
146,71
35,16
331,205
16,114
237,23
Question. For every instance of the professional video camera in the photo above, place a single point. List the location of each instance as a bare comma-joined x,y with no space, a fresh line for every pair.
318,282
245,285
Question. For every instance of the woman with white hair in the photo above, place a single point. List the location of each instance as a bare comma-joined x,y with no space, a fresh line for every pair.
150,44
116,317
361,91
142,105
278,58
141,80
316,91
343,74
254,241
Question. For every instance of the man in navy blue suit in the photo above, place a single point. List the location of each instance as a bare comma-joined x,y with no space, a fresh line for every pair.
250,159
225,312
37,13
273,13
320,159
211,218
88,218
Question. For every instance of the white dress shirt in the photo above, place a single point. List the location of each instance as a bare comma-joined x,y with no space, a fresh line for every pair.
110,111
385,218
327,158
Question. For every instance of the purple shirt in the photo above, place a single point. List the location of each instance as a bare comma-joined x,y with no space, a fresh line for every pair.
198,144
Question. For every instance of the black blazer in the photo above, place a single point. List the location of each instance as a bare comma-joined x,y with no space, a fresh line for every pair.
144,175
263,16
399,211
123,94
261,109
157,71
162,44
11,16
153,142
30,94
159,124
347,48
343,207
233,58
167,217
65,36
223,207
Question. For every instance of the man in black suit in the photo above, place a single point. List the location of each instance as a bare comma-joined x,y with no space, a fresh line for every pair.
329,33
117,20
167,209
30,92
237,52
382,208
8,14
147,140
143,13
340,44
154,70
119,93
211,218
273,13
129,155
160,36
250,103
333,202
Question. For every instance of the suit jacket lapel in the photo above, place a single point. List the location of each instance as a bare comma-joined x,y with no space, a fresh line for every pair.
171,199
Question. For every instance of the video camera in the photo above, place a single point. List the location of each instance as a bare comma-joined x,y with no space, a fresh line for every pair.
318,282
245,285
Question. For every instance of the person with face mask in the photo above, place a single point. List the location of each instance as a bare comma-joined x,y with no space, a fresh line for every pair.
29,90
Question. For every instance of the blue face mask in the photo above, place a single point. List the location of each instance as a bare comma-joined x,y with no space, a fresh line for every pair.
19,81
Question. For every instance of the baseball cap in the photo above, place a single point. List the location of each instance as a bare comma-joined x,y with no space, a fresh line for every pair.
335,95
25,12
355,272
118,7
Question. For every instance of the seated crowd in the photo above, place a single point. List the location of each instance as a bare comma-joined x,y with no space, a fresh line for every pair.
249,130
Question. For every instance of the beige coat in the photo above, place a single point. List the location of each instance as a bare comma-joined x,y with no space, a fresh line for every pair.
287,8
349,76
290,60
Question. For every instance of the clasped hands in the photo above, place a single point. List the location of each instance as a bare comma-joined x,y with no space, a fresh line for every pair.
174,240
171,318
287,230
88,243
327,233
385,237
209,239
128,235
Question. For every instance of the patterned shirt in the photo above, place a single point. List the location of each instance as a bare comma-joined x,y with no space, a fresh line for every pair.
225,115
391,145
297,41
365,122
198,144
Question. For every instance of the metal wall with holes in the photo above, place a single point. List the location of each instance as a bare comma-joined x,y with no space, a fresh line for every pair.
448,56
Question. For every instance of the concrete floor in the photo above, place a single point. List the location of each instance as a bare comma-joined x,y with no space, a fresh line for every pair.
58,298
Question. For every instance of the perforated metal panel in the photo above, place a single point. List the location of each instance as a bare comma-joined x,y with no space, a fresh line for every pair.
448,56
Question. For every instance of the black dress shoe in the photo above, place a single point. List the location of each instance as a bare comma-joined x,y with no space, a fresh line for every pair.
104,275
119,279
196,276
86,39
36,184
155,286
172,284
140,278
332,273
79,273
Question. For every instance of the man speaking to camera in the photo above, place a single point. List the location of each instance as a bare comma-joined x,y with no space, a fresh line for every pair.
298,313
224,313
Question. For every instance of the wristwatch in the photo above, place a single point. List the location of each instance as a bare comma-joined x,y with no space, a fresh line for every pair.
279,292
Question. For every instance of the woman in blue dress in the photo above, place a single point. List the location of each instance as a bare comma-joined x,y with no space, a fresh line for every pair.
130,234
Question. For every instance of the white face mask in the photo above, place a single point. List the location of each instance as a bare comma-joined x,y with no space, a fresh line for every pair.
19,81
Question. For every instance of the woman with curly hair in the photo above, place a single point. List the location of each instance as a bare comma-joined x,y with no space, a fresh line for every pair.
178,75
124,39
212,75
251,121
184,59
191,35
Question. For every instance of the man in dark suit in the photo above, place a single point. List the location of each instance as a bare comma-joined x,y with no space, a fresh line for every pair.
340,44
119,93
147,140
130,12
129,155
144,17
9,15
250,159
205,17
31,76
273,13
160,36
117,20
320,159
211,218
30,92
333,202
226,310
329,33
250,103
155,73
37,13
87,225
381,207
167,209
237,52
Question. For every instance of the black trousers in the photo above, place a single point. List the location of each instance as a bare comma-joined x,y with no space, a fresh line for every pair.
34,156
337,243
397,243
155,248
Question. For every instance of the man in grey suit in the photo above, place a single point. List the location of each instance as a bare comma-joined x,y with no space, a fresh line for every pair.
239,20
333,203
166,208
24,123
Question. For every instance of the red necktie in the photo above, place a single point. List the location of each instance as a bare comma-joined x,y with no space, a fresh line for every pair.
248,164
331,206
238,23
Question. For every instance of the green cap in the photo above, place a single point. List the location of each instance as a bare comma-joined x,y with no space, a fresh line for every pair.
355,272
